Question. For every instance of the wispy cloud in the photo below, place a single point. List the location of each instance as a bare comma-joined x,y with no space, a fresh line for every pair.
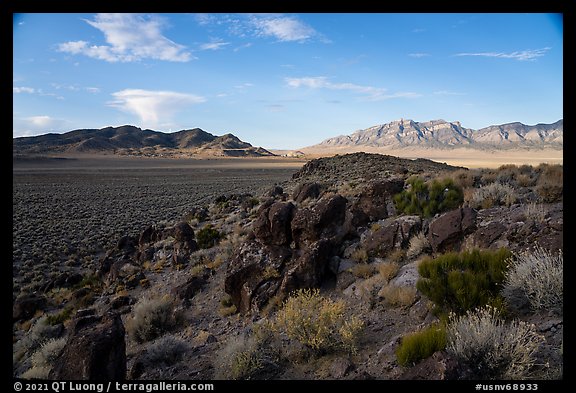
418,55
525,55
244,85
370,92
153,107
130,37
23,89
283,28
447,93
214,45
36,125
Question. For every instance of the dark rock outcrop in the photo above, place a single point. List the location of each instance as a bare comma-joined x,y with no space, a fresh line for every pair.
374,198
273,224
95,350
447,231
322,221
25,306
306,191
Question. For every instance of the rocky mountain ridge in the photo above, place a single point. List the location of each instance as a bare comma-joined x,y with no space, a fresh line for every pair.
443,134
131,140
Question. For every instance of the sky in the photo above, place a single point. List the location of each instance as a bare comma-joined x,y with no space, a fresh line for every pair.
283,81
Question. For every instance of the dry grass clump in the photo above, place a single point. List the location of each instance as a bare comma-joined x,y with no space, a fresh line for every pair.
388,270
535,277
398,296
491,348
418,244
151,318
535,211
363,270
360,255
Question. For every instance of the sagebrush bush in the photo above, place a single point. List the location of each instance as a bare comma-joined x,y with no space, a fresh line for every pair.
535,211
151,318
491,348
43,359
37,335
427,199
493,194
207,237
418,244
459,282
164,351
420,345
535,277
242,358
317,322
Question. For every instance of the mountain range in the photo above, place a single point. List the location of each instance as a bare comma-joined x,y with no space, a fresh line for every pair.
441,134
131,140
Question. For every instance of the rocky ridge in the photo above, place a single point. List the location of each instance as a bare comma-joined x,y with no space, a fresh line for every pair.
443,134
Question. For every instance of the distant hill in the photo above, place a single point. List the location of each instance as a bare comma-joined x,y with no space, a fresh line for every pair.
442,134
130,140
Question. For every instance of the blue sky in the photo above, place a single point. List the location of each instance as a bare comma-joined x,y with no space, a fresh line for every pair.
283,80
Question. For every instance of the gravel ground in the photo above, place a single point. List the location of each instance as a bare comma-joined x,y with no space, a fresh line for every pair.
66,212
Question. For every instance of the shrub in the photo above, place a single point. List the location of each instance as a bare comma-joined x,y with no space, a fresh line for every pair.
37,335
418,245
458,282
536,277
388,270
398,296
317,322
420,345
166,351
535,211
428,199
207,237
242,358
360,255
363,270
493,194
152,318
43,359
491,348
62,316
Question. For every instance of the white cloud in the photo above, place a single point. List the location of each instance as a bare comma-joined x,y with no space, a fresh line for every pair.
283,28
23,89
36,125
153,107
243,85
525,55
372,93
418,55
130,37
93,90
214,45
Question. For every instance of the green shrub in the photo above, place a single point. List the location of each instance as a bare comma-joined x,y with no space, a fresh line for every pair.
536,278
207,237
60,317
458,282
420,345
428,199
491,348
